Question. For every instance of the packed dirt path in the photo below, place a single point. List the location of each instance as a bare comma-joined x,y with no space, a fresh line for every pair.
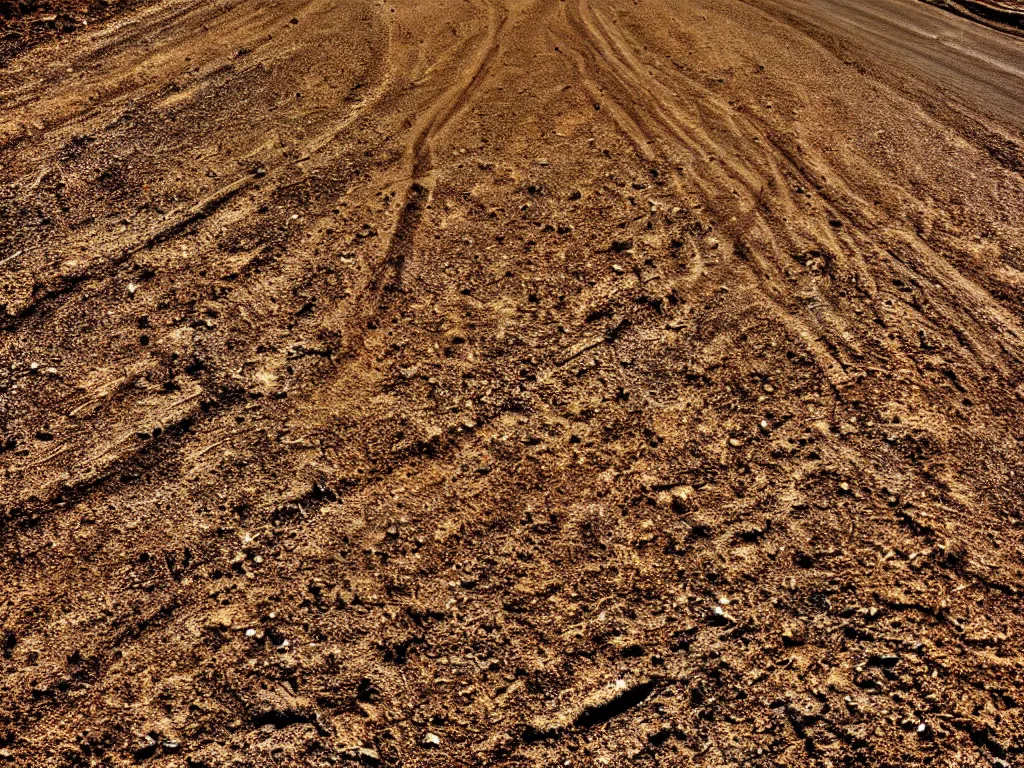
500,382
935,52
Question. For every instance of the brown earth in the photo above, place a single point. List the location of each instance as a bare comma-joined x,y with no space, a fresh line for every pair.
513,382
24,23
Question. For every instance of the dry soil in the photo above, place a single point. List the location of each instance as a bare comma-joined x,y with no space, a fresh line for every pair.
513,382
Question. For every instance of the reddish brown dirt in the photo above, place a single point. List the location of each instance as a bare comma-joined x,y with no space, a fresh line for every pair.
489,382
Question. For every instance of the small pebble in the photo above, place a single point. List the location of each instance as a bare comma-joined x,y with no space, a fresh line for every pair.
431,741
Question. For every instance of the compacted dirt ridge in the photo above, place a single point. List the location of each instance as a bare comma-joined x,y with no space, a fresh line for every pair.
513,382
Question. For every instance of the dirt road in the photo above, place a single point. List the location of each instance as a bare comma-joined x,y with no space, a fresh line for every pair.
941,56
486,382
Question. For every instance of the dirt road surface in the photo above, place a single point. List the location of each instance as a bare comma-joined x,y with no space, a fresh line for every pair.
513,382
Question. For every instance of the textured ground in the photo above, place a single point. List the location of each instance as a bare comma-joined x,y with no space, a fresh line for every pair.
1004,15
513,382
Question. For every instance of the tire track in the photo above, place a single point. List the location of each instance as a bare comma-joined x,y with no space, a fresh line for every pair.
419,162
386,279
181,221
848,206
127,453
751,221
129,43
651,129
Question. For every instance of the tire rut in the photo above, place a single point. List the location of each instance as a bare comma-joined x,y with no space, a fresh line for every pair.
386,278
653,129
177,223
757,241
